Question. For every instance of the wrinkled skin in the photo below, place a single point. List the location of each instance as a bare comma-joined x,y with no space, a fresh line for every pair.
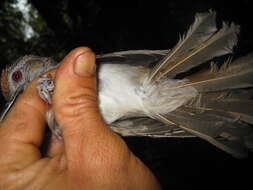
91,157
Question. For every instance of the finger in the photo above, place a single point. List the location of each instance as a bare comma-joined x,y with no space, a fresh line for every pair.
75,98
55,147
26,120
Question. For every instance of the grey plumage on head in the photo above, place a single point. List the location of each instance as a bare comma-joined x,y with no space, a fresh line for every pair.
28,67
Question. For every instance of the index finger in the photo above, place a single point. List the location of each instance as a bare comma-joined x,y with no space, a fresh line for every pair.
26,120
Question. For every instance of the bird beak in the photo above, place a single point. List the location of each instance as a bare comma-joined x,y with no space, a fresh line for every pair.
10,103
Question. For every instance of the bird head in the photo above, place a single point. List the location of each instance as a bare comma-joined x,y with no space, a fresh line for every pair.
16,76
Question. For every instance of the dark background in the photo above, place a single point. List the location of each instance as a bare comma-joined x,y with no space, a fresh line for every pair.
108,26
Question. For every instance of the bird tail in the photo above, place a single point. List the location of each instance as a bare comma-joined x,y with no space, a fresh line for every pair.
215,104
222,112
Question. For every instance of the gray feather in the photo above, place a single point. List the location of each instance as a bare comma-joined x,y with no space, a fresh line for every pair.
221,129
132,57
237,94
148,127
237,75
203,27
241,109
233,102
219,44
244,117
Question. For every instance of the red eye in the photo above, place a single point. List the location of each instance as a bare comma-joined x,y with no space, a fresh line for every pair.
17,76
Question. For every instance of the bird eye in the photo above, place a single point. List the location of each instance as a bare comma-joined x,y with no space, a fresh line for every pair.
17,76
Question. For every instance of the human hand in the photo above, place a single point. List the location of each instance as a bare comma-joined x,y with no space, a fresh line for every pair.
91,155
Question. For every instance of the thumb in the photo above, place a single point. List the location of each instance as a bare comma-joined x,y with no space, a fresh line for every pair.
75,97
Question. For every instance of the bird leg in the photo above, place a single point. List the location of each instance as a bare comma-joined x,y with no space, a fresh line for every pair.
45,87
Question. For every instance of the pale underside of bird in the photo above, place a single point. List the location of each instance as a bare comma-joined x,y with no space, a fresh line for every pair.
143,93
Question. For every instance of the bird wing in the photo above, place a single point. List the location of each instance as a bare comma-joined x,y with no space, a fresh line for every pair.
132,57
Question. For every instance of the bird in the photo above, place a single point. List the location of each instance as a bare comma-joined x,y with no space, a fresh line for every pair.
177,93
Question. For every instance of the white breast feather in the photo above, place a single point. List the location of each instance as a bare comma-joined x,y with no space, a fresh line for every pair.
124,93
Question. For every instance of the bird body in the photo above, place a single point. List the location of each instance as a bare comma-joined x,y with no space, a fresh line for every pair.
139,99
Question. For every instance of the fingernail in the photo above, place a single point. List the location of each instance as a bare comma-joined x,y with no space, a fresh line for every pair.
85,64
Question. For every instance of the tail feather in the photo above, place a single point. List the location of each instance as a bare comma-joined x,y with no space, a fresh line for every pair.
148,127
237,74
219,44
228,104
221,129
241,109
188,53
244,117
235,94
203,27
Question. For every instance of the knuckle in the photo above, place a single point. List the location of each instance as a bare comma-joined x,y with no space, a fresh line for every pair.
82,96
77,103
